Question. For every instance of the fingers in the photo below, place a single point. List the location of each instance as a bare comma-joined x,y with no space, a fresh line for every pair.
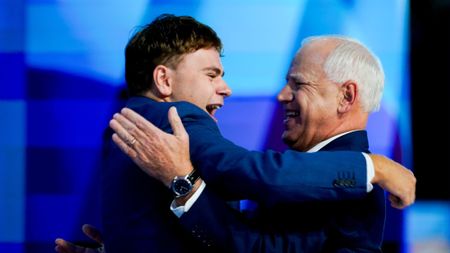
124,146
133,128
176,123
93,233
405,200
63,246
137,120
124,128
396,202
409,196
126,136
134,133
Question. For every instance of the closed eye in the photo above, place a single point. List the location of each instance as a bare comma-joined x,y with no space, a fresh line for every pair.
297,84
213,72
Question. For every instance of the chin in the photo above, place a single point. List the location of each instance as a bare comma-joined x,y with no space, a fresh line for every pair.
287,140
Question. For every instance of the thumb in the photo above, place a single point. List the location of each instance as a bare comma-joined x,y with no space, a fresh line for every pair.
93,233
176,123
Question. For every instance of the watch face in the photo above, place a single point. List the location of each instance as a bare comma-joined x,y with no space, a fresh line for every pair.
181,187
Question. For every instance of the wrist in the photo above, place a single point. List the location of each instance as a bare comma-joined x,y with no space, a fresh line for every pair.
379,168
169,177
181,201
183,185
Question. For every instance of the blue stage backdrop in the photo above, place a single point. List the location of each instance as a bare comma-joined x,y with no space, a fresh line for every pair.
62,72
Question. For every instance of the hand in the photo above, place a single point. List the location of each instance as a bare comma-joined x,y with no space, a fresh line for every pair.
161,155
63,246
395,179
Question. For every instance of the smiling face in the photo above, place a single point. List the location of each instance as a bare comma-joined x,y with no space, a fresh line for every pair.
310,99
198,79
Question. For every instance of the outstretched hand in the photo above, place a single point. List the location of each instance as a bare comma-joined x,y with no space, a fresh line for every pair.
395,179
161,155
63,246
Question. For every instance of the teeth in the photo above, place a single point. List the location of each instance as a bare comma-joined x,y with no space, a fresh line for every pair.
292,114
213,107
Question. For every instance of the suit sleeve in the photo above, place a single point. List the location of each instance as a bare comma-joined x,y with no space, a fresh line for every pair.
270,177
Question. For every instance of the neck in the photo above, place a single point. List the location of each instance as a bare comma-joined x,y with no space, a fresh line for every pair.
347,123
158,98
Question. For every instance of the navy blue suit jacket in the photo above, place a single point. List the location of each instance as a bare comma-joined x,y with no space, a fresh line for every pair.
312,226
136,216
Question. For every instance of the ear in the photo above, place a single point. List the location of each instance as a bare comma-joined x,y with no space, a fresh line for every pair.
348,93
161,78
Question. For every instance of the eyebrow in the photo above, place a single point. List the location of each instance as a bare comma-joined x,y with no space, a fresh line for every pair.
296,76
217,70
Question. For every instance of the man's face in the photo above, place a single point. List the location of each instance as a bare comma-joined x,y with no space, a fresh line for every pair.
310,100
198,79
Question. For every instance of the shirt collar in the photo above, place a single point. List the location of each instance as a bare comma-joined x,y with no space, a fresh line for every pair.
322,144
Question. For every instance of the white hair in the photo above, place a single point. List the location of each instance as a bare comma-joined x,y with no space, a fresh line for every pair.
351,60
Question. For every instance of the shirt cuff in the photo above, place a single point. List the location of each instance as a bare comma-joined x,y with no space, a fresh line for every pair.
180,210
370,172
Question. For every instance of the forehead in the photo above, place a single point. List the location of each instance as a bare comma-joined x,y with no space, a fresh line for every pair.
200,59
307,62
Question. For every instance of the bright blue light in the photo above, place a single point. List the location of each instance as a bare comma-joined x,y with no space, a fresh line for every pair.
12,171
428,226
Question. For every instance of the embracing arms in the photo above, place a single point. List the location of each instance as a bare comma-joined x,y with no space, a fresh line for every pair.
163,156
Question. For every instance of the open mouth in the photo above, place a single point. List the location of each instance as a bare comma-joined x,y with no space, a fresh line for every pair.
212,108
291,114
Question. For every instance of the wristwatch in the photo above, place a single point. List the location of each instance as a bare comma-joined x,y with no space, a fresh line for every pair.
182,186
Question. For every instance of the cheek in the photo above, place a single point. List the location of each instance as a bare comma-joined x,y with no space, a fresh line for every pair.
208,92
202,94
312,106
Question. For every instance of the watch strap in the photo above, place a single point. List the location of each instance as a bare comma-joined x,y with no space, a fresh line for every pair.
193,176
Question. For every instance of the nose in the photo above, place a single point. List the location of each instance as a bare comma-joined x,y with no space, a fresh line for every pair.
224,90
286,95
